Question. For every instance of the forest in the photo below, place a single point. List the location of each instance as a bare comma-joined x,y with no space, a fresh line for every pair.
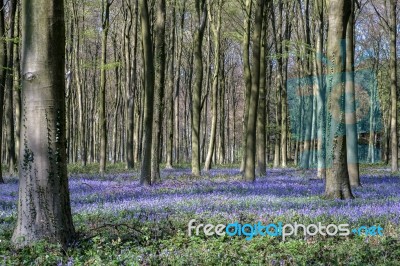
200,132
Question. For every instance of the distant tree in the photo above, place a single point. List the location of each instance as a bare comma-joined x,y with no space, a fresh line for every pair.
44,211
390,24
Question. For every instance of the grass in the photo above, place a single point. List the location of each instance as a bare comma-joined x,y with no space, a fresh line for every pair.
121,223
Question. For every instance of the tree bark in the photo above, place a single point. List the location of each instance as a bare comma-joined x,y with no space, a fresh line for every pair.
249,171
337,184
216,30
261,119
159,90
44,211
201,14
351,118
393,85
171,98
145,174
103,82
321,93
10,88
247,77
3,62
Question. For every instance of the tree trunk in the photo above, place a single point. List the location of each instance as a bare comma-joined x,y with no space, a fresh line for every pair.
393,85
249,171
337,184
44,211
129,91
10,88
159,90
3,62
216,29
171,98
247,77
103,79
321,93
261,119
201,14
145,174
351,118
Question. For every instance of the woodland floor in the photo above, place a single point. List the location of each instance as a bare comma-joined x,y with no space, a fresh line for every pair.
121,223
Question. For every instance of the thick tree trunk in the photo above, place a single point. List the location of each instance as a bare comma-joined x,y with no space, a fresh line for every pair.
249,171
44,211
337,184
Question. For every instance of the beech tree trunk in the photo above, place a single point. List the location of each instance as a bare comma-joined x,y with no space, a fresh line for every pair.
216,30
249,171
201,14
159,90
393,85
44,211
3,62
247,77
337,184
145,174
351,118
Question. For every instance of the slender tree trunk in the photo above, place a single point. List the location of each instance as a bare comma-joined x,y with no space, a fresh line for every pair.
393,85
351,118
321,93
103,79
17,85
201,14
216,30
129,91
247,78
159,90
171,90
261,119
44,211
10,88
145,174
3,62
249,172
